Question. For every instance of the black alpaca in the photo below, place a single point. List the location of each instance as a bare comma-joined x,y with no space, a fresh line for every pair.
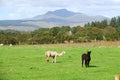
86,58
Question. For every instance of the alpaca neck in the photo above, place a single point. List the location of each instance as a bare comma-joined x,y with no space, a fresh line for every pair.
88,54
61,54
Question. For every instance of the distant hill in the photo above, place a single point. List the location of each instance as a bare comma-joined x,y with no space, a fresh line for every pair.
65,17
50,19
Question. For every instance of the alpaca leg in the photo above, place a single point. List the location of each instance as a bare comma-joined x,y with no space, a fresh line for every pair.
88,63
82,62
47,60
85,63
55,59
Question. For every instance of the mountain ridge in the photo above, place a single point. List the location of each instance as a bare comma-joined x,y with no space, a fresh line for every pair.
60,17
68,16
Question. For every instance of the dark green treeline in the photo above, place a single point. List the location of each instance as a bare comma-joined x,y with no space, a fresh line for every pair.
108,30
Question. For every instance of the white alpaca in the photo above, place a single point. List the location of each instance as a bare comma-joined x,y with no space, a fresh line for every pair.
1,44
53,54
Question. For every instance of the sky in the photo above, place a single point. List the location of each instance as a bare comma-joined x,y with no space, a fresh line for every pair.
22,9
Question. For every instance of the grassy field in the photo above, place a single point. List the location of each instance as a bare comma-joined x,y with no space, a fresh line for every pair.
28,62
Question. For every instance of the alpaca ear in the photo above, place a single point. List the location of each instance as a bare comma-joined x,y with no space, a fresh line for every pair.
64,52
89,51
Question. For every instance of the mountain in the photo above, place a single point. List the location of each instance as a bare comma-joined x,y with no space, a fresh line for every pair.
50,19
65,17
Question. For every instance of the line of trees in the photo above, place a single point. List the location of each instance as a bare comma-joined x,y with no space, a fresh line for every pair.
104,30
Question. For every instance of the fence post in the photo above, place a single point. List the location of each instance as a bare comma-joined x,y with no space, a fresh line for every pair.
117,77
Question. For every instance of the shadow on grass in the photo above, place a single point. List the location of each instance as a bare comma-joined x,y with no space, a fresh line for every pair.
93,66
58,62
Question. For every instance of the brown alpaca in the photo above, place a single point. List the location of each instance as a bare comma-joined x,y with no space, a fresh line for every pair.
53,54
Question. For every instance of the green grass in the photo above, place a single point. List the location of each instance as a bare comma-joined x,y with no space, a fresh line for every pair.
28,63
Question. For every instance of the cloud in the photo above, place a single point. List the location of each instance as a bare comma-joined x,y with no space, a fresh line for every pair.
116,0
13,9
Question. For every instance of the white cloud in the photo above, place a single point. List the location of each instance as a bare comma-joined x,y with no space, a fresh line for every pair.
116,0
13,9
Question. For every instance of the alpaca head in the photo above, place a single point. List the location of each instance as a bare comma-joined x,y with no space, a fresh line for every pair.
63,52
89,52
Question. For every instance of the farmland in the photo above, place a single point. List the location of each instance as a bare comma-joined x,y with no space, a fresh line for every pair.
27,62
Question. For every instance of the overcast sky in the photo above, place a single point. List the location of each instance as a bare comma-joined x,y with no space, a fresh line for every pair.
20,9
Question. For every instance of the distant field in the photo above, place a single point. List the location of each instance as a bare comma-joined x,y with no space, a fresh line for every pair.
28,62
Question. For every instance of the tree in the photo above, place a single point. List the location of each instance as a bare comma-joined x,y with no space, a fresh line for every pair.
113,22
55,30
109,33
118,21
96,33
103,24
23,37
81,34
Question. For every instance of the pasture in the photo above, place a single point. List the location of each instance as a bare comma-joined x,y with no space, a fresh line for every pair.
28,62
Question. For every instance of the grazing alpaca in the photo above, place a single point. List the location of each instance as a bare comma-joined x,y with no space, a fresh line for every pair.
53,54
86,58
